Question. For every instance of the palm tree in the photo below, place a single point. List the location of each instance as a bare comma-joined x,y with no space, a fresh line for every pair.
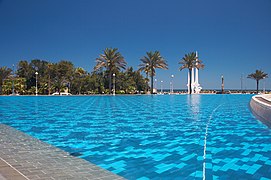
4,73
190,61
258,75
111,60
152,61
145,66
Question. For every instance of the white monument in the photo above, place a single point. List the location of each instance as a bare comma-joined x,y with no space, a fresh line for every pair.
195,86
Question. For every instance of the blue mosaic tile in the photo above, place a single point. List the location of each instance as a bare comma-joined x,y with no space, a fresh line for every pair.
251,170
186,158
164,167
234,167
118,170
245,159
226,167
198,174
245,167
263,178
263,158
143,178
216,168
216,161
256,157
209,166
181,165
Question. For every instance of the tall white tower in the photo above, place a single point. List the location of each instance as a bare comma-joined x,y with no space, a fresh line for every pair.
196,72
193,81
195,86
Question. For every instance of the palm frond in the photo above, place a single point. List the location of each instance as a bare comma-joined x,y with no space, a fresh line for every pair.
190,61
258,75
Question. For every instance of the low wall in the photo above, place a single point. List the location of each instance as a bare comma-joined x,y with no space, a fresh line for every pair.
261,107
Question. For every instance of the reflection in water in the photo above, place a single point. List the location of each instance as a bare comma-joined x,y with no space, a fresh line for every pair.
36,106
194,102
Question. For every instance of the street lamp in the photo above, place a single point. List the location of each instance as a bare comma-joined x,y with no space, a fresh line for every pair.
172,76
36,83
161,87
114,84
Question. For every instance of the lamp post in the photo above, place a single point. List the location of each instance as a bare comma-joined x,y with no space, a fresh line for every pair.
171,90
161,87
241,83
114,84
36,83
13,93
222,85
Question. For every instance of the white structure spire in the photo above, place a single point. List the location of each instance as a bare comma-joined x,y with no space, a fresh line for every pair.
195,86
193,81
196,72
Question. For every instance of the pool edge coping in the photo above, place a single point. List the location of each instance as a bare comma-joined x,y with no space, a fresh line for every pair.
261,108
12,160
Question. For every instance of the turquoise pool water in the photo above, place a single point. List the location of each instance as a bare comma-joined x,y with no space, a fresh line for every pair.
151,137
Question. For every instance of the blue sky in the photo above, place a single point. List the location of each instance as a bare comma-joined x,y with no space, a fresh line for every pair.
232,37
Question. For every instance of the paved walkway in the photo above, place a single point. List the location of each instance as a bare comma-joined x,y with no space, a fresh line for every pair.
24,157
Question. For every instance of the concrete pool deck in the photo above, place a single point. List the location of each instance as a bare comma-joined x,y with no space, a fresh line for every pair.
23,157
261,106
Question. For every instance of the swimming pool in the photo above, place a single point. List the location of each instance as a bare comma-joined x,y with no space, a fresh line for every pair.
151,137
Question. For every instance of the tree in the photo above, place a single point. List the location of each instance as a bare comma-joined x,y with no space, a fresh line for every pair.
5,72
112,61
155,61
61,74
79,80
40,66
258,75
145,67
190,61
126,82
19,85
25,70
139,81
48,72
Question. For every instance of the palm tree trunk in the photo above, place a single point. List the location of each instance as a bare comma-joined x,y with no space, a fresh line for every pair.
190,81
110,82
257,86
